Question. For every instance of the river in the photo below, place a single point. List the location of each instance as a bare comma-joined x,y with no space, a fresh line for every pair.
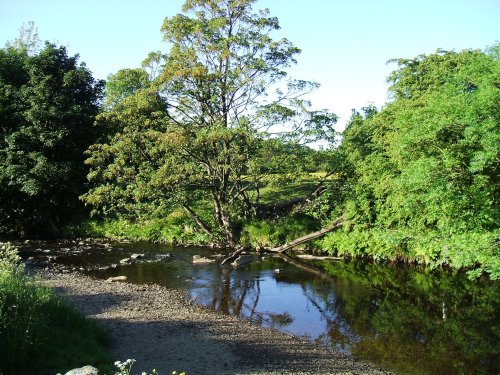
406,319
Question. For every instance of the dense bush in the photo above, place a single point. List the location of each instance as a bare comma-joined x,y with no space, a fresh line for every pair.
40,333
423,172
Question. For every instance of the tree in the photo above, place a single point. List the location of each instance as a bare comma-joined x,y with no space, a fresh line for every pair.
425,168
223,92
47,106
123,84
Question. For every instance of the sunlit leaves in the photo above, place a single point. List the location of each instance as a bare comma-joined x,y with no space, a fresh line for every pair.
194,133
427,164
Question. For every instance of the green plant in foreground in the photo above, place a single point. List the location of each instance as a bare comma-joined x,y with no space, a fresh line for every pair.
10,260
28,314
125,368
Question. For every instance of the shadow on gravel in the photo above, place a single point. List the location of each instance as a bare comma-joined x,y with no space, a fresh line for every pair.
92,304
143,325
219,348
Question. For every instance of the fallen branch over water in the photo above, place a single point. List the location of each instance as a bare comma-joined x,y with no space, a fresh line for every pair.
304,267
308,237
316,257
232,257
290,245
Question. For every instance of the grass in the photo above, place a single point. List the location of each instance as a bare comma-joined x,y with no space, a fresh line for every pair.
178,228
40,333
278,188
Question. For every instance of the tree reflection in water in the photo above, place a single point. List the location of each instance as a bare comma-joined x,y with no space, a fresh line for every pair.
412,321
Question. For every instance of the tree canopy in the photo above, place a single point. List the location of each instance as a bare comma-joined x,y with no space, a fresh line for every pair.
47,106
425,168
215,127
196,132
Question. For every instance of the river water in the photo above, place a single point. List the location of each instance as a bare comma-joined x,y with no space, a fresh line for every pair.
409,320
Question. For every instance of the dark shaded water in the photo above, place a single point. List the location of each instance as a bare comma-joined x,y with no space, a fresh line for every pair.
406,320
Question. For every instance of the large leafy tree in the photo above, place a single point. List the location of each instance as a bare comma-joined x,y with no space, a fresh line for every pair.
424,170
200,125
48,103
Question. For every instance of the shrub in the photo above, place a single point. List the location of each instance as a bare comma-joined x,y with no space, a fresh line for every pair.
271,233
40,333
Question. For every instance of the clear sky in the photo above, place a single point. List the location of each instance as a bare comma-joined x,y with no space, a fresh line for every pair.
345,44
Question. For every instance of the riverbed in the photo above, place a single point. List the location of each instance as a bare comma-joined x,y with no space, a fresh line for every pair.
404,319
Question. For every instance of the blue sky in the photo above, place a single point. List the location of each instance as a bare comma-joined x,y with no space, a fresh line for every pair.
345,44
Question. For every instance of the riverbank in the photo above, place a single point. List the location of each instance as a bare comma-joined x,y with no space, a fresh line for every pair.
161,329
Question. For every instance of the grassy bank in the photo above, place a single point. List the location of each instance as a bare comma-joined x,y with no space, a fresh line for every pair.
478,253
40,333
174,229
254,233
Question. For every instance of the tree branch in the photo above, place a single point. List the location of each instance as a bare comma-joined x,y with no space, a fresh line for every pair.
198,220
308,237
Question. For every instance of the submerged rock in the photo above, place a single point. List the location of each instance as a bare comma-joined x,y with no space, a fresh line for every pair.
136,256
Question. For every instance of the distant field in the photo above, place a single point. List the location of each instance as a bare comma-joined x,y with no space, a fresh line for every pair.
278,188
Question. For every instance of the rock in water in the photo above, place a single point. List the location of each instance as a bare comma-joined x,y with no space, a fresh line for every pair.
197,259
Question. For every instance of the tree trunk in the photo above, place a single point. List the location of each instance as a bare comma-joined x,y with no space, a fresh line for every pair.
229,231
308,237
224,221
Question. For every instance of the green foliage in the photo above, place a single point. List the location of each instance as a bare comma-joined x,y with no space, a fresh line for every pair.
271,233
47,106
10,261
40,333
176,228
424,170
195,137
462,250
124,84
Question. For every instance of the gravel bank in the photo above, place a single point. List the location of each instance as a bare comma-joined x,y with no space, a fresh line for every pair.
162,329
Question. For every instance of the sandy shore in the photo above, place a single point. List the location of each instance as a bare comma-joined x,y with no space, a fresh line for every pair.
160,328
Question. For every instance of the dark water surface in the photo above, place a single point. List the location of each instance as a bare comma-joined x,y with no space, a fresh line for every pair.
403,319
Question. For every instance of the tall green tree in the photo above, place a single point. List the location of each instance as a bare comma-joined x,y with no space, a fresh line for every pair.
48,103
224,89
425,168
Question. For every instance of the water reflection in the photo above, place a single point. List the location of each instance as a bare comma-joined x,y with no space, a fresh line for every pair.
410,321
407,320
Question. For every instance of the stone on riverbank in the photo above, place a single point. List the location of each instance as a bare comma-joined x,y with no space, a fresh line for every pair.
116,278
85,370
